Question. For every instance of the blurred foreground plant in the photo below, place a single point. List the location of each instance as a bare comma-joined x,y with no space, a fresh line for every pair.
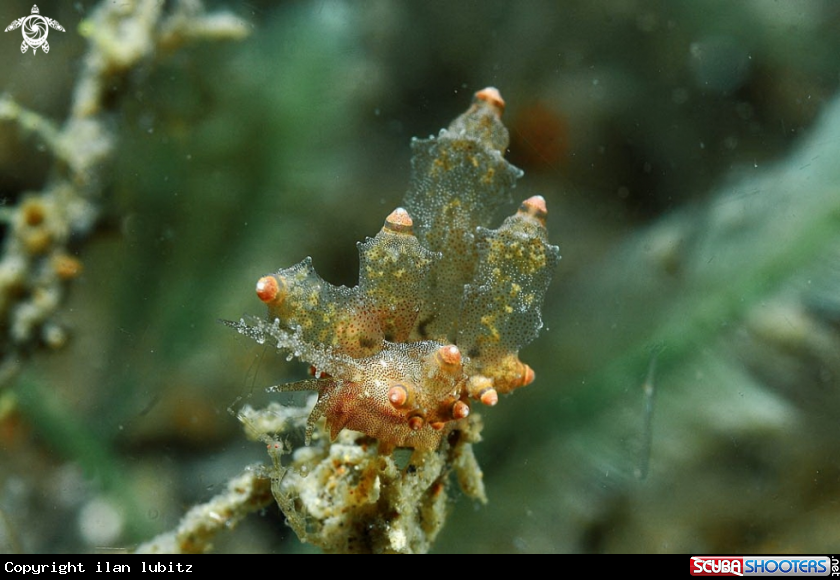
37,261
45,229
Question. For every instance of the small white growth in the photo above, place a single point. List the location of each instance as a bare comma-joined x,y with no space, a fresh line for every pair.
101,522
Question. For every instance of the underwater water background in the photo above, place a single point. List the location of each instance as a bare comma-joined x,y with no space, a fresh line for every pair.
687,154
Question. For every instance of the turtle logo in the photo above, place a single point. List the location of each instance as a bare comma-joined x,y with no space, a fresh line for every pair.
35,30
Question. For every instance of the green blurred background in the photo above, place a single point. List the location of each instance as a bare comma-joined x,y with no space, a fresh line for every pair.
686,151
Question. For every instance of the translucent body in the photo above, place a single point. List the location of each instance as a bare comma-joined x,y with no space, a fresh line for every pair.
438,318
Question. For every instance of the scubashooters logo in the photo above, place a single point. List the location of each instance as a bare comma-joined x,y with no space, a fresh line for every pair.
35,29
760,566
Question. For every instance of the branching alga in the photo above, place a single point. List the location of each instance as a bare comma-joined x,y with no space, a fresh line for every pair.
36,261
442,307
